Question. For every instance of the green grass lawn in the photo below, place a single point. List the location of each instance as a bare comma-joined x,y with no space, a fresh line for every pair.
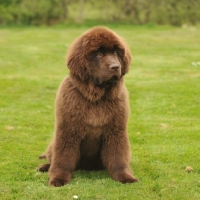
164,126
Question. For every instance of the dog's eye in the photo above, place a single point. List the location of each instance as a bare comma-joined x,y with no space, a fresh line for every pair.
115,52
99,54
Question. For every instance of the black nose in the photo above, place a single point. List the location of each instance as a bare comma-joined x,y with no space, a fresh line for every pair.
114,66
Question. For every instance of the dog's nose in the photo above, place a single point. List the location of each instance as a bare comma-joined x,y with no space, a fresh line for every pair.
114,66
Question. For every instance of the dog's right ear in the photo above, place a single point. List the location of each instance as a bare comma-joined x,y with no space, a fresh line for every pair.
76,61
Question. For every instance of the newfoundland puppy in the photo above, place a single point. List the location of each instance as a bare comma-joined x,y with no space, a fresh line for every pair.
92,111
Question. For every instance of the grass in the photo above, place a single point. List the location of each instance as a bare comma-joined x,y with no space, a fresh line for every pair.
164,127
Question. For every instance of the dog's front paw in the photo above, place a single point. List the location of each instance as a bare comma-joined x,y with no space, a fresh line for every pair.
125,177
57,182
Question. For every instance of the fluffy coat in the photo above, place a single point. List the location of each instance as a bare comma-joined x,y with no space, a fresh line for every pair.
92,110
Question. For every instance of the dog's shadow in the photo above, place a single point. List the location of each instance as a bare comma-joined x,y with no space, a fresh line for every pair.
90,175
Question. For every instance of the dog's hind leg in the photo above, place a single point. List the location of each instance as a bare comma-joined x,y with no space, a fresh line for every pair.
43,168
43,156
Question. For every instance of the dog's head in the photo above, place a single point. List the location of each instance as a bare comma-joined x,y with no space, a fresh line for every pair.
99,55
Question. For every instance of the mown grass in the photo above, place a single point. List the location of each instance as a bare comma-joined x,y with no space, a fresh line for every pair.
164,127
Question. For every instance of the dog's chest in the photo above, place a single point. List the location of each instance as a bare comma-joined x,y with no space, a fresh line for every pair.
98,114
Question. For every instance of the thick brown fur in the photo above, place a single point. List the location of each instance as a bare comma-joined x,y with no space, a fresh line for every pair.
92,110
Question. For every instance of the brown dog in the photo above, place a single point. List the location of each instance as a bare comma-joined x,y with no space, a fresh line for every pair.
92,111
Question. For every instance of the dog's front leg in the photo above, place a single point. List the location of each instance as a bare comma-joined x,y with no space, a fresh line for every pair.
66,153
116,157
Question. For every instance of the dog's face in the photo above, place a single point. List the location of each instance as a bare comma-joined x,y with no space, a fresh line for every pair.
99,55
105,65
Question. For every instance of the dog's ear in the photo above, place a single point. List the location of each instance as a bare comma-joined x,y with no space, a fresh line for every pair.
126,58
76,60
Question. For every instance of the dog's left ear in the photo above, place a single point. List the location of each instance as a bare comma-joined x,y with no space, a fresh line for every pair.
126,59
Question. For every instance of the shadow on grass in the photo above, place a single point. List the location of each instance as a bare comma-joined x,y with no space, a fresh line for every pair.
91,175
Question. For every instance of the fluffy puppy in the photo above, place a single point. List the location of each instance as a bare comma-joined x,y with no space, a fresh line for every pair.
92,110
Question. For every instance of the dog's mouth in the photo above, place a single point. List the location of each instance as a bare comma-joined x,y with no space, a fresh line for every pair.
106,83
114,79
